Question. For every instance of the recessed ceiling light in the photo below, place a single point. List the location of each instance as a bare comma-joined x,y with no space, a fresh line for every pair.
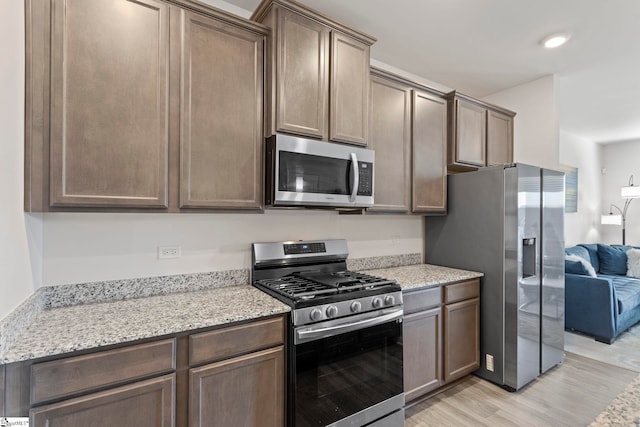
555,40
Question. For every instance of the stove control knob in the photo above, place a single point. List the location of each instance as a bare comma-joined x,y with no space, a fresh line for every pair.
389,300
332,311
377,303
315,314
356,306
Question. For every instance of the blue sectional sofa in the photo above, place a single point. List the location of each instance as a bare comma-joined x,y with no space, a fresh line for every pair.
606,305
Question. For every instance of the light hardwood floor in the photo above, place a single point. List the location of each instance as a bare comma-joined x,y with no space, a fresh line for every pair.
571,394
624,352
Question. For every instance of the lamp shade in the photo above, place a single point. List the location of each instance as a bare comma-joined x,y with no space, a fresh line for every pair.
630,192
611,219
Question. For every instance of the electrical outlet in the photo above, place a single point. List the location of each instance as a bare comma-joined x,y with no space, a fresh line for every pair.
166,252
489,360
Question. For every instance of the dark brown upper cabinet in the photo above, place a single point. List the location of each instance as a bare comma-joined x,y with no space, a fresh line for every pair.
429,170
390,137
499,138
480,134
142,105
409,134
317,74
349,84
109,133
221,115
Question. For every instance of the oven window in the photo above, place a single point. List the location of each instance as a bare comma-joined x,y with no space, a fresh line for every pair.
341,375
306,173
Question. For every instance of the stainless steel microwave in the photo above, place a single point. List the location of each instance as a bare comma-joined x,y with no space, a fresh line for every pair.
304,172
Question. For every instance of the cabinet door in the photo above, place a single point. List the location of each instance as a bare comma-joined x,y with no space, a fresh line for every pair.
147,403
109,105
302,75
390,137
243,391
422,350
461,339
349,83
499,138
429,153
471,133
221,115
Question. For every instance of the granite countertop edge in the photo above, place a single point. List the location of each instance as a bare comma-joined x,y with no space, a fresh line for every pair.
67,329
62,330
424,276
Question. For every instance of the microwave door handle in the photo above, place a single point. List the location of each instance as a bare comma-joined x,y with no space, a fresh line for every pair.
356,177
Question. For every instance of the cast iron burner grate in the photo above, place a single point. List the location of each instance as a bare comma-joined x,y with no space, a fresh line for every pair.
301,286
297,287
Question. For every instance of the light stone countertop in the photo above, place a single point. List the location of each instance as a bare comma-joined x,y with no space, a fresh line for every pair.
413,277
67,329
64,329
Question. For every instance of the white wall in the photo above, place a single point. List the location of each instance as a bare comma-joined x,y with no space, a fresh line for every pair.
620,160
231,8
410,76
583,226
20,234
536,132
84,247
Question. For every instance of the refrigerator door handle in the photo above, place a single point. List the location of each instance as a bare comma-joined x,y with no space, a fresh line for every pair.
529,253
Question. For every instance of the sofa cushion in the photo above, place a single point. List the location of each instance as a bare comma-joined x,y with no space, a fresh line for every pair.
627,291
592,250
573,264
613,259
633,263
579,251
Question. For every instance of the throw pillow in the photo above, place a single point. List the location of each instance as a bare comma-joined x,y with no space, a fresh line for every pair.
613,259
573,264
592,252
633,262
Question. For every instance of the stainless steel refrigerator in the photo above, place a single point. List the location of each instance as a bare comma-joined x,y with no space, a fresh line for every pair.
508,222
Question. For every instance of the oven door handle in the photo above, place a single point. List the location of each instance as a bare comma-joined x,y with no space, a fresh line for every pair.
356,177
313,333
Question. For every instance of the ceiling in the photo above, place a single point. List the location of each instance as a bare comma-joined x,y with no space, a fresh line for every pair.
483,46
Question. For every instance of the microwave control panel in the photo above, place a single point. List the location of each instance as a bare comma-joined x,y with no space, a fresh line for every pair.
365,187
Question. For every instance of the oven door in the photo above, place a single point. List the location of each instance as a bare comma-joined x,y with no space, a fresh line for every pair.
318,173
348,372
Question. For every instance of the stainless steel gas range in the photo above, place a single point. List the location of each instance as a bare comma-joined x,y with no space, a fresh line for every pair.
345,335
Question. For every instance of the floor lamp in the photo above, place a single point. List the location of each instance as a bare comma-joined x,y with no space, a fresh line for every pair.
628,193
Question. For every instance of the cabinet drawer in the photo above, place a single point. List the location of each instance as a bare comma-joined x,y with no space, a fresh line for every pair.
461,291
421,300
227,342
143,403
59,378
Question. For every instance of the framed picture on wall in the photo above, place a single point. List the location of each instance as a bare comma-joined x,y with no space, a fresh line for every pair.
571,188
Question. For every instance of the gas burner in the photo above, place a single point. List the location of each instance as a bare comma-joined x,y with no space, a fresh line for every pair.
345,280
296,287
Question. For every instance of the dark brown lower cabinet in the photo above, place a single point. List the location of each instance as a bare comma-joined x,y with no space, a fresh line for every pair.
422,347
441,337
461,339
242,391
146,403
231,375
